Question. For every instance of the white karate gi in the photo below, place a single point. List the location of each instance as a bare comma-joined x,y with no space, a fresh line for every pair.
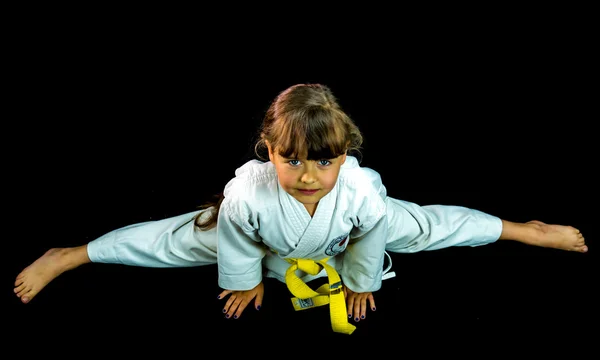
259,224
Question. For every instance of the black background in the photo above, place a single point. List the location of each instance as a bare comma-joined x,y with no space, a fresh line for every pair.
112,128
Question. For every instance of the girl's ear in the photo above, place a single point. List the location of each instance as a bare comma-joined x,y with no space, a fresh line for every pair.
270,150
345,153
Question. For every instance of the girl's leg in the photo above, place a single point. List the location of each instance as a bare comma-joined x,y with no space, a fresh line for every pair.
537,233
46,268
171,242
414,228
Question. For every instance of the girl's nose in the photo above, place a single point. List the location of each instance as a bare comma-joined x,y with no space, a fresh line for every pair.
308,177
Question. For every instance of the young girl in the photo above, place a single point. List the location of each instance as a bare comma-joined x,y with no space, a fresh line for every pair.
310,211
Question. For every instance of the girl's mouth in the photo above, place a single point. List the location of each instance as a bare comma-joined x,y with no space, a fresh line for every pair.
307,192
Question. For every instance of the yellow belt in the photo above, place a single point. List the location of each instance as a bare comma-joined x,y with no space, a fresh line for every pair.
332,293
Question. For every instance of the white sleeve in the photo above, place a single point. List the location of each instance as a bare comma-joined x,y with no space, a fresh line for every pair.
362,265
363,258
415,228
239,247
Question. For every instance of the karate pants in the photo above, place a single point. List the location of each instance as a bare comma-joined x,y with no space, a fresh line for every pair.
175,242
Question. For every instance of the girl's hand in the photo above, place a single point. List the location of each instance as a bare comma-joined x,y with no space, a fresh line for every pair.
356,303
238,300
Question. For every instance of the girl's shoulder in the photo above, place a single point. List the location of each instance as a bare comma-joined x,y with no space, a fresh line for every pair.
362,192
253,179
255,168
358,178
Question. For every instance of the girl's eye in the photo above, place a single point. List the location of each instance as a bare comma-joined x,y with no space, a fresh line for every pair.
324,162
294,162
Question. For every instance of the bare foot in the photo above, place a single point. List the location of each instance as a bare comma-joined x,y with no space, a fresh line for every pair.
46,268
558,237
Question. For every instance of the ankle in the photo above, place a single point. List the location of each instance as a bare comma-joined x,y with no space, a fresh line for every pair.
534,232
528,233
70,258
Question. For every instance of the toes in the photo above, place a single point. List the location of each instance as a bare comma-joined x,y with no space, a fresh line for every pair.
22,292
19,288
27,296
21,275
580,248
19,281
575,230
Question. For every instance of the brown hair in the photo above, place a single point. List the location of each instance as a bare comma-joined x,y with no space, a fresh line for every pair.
303,120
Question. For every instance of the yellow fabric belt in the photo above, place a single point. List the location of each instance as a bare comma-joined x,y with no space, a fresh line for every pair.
332,293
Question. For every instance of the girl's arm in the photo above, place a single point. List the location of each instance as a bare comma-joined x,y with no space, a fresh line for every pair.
239,249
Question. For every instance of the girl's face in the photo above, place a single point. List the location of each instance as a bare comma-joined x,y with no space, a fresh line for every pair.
308,181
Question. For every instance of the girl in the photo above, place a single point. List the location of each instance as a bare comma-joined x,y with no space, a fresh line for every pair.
309,211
